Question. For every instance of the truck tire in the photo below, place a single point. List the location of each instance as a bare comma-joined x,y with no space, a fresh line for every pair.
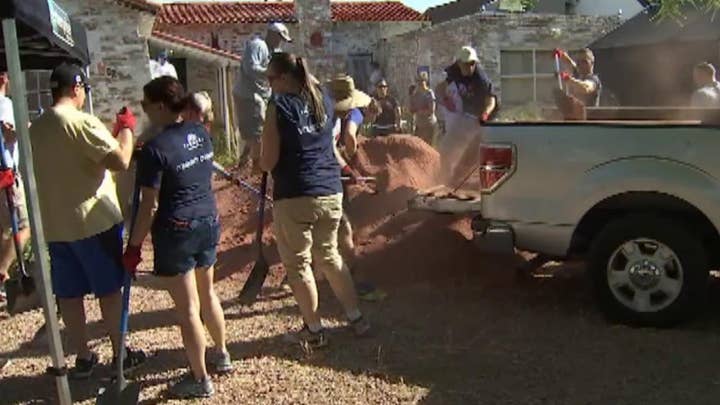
648,270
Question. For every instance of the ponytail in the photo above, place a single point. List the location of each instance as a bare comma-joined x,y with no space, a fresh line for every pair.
311,92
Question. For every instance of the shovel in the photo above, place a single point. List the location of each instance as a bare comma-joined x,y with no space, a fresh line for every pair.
119,391
20,291
255,281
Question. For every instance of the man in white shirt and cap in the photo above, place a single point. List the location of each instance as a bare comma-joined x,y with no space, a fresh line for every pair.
162,66
252,91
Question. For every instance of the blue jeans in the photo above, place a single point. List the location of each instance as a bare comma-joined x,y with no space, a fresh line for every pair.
181,246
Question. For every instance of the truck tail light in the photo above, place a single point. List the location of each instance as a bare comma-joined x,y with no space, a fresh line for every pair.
497,161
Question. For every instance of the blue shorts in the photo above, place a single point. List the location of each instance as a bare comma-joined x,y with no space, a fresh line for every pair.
183,246
91,265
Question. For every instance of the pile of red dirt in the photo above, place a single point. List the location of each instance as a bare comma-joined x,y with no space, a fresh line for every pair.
398,161
394,246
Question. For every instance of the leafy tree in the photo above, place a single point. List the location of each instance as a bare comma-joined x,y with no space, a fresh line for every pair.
676,8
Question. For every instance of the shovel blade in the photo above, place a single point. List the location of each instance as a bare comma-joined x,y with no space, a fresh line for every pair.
255,281
114,395
19,300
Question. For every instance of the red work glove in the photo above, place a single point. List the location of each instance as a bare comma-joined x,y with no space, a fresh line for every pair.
559,53
7,178
484,118
348,171
124,119
449,104
132,259
565,76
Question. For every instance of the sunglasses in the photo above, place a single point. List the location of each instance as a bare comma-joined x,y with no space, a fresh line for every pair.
383,86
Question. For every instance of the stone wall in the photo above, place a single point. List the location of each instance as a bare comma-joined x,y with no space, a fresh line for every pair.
436,46
118,54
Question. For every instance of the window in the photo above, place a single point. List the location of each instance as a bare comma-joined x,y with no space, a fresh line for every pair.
38,91
527,76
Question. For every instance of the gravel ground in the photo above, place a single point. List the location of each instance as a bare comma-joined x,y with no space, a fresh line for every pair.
456,328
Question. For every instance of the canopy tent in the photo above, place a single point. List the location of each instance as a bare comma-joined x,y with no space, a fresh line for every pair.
46,36
38,34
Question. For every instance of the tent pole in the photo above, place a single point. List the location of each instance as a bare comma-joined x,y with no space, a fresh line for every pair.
17,86
226,110
89,103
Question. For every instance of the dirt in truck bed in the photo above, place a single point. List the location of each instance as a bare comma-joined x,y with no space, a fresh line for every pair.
456,327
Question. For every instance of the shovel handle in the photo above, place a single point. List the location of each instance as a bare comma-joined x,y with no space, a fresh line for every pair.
125,312
239,182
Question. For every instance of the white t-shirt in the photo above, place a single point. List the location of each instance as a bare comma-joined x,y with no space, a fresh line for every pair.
165,69
708,96
12,155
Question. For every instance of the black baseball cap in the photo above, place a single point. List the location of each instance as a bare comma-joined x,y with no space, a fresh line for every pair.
66,76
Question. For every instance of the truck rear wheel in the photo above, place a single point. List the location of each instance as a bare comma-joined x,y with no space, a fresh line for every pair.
648,270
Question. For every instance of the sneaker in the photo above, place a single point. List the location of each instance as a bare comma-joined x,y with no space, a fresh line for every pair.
222,363
304,336
360,326
188,387
133,359
84,367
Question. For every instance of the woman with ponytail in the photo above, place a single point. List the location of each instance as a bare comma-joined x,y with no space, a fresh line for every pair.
298,148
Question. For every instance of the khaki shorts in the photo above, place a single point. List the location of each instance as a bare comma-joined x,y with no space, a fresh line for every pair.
251,116
20,206
306,230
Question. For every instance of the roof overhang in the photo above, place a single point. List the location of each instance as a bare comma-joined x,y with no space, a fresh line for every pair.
194,50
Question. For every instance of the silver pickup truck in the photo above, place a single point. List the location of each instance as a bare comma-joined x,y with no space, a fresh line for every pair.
638,200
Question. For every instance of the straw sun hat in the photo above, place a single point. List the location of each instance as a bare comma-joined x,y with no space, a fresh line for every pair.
346,96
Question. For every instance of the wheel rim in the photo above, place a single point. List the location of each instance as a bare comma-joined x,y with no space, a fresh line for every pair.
645,275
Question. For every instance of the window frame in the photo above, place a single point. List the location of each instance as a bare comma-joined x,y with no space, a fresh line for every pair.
34,89
534,75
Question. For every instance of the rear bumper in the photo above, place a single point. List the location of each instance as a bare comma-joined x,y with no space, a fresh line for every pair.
493,237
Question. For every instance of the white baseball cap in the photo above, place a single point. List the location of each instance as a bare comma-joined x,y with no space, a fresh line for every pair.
281,29
467,54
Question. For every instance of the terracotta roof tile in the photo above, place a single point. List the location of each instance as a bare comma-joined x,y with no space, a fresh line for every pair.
225,13
256,12
142,5
373,11
194,44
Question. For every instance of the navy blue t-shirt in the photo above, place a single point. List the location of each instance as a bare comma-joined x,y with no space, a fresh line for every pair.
307,166
474,89
179,162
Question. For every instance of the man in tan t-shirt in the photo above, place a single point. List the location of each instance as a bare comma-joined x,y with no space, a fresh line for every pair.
73,154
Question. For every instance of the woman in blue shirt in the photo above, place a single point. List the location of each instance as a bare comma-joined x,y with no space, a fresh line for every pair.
175,169
299,149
